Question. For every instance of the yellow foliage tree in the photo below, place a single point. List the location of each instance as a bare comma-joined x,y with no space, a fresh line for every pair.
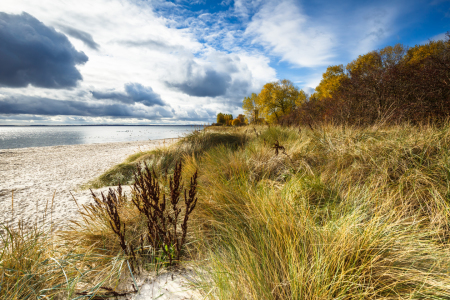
278,98
220,118
331,80
236,122
251,107
379,59
419,52
228,119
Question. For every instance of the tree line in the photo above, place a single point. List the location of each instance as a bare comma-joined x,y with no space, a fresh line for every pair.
227,120
393,84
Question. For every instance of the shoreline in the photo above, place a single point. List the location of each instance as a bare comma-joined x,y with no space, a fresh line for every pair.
32,176
68,145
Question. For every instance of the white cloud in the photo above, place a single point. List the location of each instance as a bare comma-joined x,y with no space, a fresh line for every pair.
375,25
332,36
282,27
135,45
441,36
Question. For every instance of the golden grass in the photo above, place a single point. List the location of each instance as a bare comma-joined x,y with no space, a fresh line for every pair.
340,213
346,213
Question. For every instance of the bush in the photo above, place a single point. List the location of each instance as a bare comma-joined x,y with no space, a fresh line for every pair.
236,122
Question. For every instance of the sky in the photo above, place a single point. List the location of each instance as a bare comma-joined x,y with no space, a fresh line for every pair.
181,62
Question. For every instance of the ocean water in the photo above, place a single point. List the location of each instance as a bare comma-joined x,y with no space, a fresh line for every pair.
41,136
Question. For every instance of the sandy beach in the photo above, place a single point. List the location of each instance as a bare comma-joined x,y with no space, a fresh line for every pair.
37,174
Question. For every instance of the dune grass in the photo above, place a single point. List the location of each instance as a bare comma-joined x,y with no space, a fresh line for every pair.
338,213
163,159
343,213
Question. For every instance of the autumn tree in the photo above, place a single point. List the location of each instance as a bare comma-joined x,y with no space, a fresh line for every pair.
279,98
220,118
236,122
393,84
228,119
376,60
432,48
330,82
251,107
241,118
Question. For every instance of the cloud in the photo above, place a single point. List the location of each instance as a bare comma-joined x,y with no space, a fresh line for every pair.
141,43
199,114
51,107
83,36
438,37
32,53
286,31
152,44
203,82
134,93
227,77
308,90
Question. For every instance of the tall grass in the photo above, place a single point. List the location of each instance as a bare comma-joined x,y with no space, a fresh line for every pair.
339,213
39,264
99,255
345,213
163,159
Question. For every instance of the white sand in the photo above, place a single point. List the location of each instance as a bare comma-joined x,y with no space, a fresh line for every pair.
168,286
36,174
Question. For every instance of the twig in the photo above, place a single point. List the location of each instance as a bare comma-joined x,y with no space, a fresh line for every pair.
74,200
12,203
277,147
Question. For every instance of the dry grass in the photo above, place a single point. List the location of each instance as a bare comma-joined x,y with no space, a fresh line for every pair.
339,213
345,213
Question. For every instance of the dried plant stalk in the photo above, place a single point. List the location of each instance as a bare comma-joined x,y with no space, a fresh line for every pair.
164,231
110,204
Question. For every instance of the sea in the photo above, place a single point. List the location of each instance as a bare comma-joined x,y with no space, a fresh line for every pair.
12,137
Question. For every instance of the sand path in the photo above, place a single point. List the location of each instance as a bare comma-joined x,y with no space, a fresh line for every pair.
36,174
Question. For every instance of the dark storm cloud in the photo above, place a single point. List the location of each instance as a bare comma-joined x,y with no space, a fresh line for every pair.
22,118
51,107
32,53
134,92
209,84
83,36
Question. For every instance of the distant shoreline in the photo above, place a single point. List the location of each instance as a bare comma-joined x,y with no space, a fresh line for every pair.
17,137
96,125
